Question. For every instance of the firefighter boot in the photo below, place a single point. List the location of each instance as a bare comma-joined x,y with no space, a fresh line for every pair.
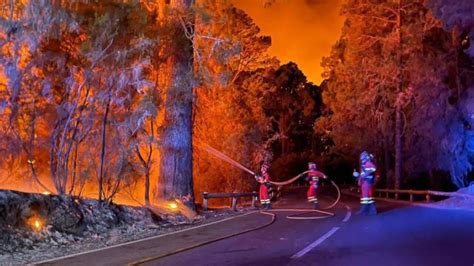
372,210
269,206
316,206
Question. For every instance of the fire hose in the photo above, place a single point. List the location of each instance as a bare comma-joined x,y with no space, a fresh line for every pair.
207,242
270,212
153,258
291,180
226,158
306,211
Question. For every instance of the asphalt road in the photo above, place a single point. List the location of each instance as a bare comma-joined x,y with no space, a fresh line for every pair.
398,235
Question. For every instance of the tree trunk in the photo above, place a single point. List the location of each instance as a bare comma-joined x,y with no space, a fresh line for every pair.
149,162
74,168
284,126
102,151
398,104
388,172
176,166
398,146
147,188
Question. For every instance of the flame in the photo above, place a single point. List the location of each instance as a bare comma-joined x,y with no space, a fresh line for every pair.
46,193
172,205
37,224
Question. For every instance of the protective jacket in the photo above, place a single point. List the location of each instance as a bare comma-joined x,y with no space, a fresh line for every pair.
366,182
313,178
264,181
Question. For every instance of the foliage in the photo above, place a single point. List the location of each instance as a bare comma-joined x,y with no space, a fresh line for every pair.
299,104
83,68
231,57
394,58
457,17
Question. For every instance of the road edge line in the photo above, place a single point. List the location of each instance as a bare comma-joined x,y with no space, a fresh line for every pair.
153,258
140,240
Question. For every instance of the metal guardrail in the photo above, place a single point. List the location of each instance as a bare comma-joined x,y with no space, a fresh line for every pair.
206,196
428,194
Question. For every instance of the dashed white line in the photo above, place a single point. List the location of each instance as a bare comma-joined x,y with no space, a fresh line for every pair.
315,243
348,214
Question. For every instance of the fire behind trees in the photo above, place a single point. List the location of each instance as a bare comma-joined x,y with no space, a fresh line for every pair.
96,97
105,99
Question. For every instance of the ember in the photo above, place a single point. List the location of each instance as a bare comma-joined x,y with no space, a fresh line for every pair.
36,223
173,205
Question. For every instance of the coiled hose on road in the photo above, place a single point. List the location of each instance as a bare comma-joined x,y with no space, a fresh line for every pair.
305,211
270,212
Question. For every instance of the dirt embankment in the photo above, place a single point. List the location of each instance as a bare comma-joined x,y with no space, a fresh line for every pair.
35,227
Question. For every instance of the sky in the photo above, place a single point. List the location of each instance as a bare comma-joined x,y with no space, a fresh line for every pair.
302,31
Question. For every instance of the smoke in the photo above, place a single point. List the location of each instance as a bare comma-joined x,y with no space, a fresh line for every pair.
302,31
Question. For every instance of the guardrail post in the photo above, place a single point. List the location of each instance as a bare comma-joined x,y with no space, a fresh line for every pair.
234,204
428,197
204,201
396,196
411,197
254,199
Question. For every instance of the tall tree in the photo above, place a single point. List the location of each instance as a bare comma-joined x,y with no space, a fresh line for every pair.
457,18
176,165
371,80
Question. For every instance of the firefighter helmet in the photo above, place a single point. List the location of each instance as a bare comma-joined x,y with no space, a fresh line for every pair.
365,157
312,166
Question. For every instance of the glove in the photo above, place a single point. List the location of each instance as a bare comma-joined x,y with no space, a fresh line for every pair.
268,185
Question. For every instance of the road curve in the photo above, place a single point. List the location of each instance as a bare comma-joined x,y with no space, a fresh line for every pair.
398,235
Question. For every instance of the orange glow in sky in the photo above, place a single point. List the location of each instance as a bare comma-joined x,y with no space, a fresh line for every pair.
302,31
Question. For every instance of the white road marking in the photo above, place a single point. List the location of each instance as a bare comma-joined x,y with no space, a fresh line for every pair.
141,240
315,243
348,214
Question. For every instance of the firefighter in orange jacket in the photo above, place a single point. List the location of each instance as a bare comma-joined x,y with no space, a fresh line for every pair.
366,180
265,185
313,177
